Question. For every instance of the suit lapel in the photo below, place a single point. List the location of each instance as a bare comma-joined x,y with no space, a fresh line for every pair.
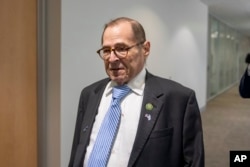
91,110
151,108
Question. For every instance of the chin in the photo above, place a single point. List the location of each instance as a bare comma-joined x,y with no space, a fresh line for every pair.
119,80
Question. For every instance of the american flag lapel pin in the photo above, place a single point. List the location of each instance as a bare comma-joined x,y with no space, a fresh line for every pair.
148,116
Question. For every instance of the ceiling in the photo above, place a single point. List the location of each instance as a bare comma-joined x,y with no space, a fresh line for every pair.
235,13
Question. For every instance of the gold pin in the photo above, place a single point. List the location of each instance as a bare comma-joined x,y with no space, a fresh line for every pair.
149,106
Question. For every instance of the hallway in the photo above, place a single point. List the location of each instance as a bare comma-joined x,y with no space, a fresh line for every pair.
226,126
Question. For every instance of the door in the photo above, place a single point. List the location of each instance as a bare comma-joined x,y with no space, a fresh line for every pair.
18,83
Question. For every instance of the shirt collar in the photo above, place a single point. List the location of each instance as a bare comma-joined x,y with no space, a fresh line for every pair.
137,84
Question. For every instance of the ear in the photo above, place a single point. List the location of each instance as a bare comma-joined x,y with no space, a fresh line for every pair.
146,48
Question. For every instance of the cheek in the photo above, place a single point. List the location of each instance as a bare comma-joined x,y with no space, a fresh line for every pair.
135,64
106,65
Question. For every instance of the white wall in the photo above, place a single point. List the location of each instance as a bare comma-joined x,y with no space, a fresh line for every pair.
177,31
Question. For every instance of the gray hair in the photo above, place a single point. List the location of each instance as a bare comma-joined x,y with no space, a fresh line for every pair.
137,28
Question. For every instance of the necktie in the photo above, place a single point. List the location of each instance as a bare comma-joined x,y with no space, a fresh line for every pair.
107,133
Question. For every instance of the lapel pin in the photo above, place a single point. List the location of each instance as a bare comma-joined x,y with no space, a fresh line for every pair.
149,106
148,116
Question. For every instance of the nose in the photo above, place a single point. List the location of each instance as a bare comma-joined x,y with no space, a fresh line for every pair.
113,56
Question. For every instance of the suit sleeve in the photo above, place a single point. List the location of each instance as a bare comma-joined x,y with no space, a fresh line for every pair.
193,146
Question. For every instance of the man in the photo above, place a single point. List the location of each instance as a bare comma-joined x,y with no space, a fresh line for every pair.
244,87
160,124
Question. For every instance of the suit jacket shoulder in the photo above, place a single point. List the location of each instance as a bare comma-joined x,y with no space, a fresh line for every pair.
168,85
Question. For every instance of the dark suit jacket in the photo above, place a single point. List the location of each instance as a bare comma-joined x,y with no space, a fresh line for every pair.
244,87
172,138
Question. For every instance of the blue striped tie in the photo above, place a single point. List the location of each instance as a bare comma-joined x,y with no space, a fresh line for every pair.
101,151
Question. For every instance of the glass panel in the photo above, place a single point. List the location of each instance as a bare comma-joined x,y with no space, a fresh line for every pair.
227,50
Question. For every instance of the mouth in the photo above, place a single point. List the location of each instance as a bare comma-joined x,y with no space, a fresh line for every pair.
115,69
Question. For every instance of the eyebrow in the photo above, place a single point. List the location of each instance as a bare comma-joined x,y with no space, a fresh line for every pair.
117,44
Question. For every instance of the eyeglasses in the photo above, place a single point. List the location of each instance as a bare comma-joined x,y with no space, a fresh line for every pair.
119,51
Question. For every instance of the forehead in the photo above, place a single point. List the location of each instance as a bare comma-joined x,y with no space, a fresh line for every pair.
118,33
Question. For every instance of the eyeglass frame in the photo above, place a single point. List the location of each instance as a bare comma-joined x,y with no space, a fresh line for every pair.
114,50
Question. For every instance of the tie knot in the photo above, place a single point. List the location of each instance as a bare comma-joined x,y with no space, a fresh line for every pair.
120,91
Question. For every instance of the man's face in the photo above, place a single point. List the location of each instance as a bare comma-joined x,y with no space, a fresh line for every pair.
122,70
